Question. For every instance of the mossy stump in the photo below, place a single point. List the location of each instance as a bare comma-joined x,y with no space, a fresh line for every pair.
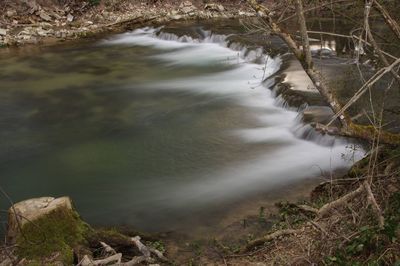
45,228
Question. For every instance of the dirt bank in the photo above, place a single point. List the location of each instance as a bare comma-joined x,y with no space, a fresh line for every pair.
44,21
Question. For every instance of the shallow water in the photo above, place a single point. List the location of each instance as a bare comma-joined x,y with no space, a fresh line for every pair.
149,129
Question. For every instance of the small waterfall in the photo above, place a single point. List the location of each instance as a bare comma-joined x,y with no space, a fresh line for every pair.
172,37
253,73
255,65
307,132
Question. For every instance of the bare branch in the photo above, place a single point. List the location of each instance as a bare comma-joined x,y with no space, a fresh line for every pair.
388,19
377,76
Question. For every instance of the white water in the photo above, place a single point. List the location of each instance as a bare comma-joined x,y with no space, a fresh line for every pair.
298,151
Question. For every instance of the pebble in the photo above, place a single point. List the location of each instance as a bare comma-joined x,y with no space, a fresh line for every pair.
44,16
70,18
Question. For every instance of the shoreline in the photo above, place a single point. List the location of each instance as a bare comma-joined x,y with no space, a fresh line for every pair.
51,28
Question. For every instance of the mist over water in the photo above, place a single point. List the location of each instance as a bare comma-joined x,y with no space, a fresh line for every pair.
147,126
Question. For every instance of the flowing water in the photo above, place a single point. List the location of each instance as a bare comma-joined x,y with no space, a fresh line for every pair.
149,129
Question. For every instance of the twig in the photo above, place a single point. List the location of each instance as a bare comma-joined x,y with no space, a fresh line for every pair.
324,210
267,238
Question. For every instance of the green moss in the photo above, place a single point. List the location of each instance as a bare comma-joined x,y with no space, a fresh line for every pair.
159,245
34,263
367,132
94,2
59,231
358,169
111,233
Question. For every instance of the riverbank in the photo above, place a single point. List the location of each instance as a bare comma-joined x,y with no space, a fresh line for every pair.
292,234
44,22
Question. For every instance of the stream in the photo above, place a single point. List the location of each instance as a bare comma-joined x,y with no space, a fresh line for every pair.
154,130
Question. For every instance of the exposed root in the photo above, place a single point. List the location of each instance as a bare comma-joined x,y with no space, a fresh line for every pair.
326,209
267,238
375,206
307,208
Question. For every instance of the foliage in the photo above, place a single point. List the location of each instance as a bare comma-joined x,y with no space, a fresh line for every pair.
289,214
371,244
94,2
159,245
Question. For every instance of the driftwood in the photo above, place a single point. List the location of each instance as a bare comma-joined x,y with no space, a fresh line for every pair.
115,258
142,248
107,248
137,260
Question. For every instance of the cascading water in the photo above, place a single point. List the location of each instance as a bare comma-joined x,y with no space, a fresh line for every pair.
303,152
148,126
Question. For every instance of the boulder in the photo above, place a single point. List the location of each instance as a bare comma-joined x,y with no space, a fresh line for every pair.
3,32
187,8
30,210
214,7
44,226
